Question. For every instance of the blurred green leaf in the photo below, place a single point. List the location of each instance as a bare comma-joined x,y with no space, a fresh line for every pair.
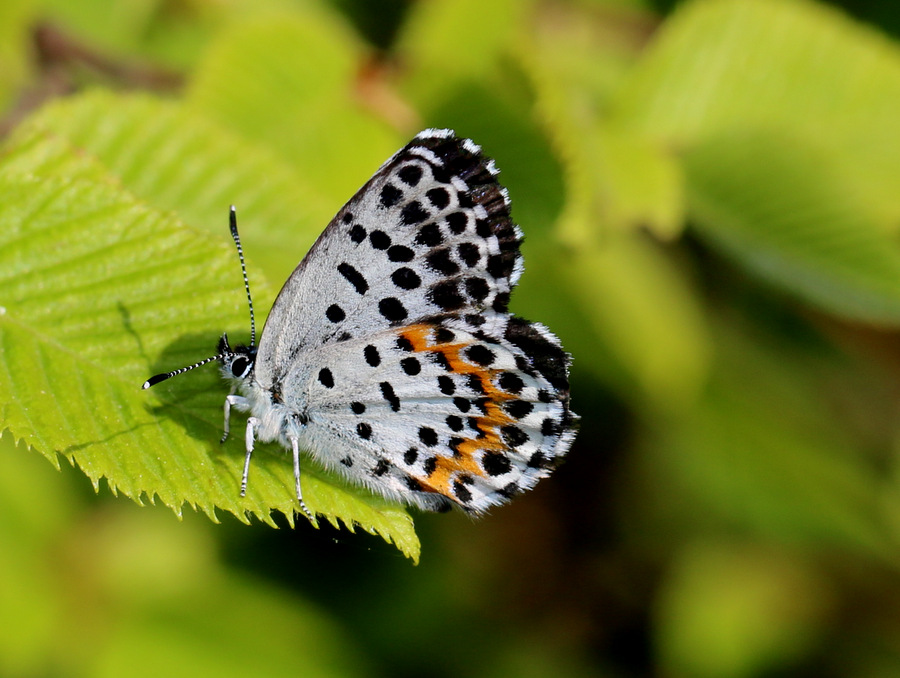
88,307
620,182
636,304
146,33
776,206
289,82
30,604
763,450
792,66
730,611
616,178
114,24
114,589
622,294
639,185
15,24
448,44
205,620
811,103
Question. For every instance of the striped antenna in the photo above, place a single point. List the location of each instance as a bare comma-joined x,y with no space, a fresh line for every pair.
152,381
237,242
168,375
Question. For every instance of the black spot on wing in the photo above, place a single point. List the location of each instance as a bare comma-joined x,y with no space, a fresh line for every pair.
392,309
446,295
373,358
446,385
440,260
457,222
390,195
354,277
411,366
439,197
400,253
335,313
410,175
406,278
495,463
387,392
357,234
380,240
413,213
428,436
430,235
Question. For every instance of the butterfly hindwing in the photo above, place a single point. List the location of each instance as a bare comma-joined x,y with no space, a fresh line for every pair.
434,414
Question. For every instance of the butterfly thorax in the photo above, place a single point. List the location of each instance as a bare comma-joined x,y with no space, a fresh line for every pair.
277,421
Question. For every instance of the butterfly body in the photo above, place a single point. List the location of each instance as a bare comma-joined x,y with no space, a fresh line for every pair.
389,355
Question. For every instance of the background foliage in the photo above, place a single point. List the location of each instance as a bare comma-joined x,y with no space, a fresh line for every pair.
709,195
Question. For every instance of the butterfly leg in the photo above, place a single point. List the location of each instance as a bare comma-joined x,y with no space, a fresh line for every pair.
237,402
252,423
295,445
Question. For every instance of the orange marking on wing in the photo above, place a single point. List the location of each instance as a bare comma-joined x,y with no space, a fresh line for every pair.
420,338
447,467
490,422
417,335
465,461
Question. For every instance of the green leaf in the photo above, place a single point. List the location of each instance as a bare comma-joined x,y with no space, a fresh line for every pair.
289,83
789,66
788,116
777,207
117,26
763,453
449,43
184,162
736,610
99,289
639,185
140,33
616,178
16,17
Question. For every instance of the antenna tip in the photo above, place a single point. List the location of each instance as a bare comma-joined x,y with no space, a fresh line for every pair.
155,380
233,208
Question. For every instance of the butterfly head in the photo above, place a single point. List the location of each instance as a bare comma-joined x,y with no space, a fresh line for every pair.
237,363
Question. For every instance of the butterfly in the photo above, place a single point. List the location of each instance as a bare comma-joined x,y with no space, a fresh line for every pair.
390,356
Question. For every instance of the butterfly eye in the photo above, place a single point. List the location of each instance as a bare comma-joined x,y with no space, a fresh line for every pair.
239,366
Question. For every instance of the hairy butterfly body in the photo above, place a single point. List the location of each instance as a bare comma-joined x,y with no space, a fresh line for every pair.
389,355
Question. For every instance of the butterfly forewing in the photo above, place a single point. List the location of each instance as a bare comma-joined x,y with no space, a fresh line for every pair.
429,234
